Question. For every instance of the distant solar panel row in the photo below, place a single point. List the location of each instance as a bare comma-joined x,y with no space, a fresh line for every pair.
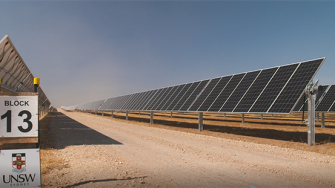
273,90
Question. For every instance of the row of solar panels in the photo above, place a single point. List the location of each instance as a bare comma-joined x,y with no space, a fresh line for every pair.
324,101
273,90
15,74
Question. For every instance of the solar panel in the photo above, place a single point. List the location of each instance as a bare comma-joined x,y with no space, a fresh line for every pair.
188,91
161,98
167,97
148,98
193,96
255,90
214,93
239,92
129,102
179,93
327,101
173,96
106,104
153,101
295,87
273,89
226,92
204,94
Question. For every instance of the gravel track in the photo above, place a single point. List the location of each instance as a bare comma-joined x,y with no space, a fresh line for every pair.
103,152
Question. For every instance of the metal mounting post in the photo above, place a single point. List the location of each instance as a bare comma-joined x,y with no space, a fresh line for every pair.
112,114
323,120
171,115
317,117
224,115
242,118
310,92
261,116
201,125
151,117
102,113
126,115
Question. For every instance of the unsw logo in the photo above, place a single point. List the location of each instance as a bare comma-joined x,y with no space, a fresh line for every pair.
19,162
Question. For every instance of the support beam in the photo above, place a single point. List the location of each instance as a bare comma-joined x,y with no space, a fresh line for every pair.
224,114
317,116
126,115
151,117
102,113
112,114
261,116
201,125
311,120
171,115
323,120
242,118
96,112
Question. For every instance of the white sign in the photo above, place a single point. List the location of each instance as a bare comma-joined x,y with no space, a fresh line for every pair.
18,116
20,168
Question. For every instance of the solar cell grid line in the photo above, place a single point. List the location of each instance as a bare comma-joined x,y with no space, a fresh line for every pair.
187,91
127,97
204,94
140,99
295,86
173,96
117,103
134,101
225,93
327,100
105,105
255,90
179,93
214,93
163,99
153,101
148,97
165,103
239,91
273,89
192,97
128,102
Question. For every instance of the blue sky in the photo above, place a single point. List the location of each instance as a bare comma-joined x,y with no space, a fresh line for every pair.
90,50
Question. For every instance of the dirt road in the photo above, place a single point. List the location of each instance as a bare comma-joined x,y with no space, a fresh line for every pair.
102,152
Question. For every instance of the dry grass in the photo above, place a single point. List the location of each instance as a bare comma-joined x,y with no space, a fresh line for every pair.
49,158
286,131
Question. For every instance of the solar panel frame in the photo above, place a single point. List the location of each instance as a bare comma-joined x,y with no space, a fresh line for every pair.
170,92
272,90
172,97
204,94
214,94
185,96
178,97
293,89
226,92
239,91
194,94
327,101
148,99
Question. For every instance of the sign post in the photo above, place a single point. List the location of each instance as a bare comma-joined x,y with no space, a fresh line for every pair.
19,120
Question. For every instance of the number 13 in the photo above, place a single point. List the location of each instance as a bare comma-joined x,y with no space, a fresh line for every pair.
8,115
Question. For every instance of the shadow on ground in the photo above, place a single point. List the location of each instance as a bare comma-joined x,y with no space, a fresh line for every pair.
68,132
283,135
104,180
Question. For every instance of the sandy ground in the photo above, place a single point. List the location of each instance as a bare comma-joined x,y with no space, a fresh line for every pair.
102,152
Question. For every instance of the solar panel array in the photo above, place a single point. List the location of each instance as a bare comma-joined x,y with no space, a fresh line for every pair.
326,103
273,90
15,74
